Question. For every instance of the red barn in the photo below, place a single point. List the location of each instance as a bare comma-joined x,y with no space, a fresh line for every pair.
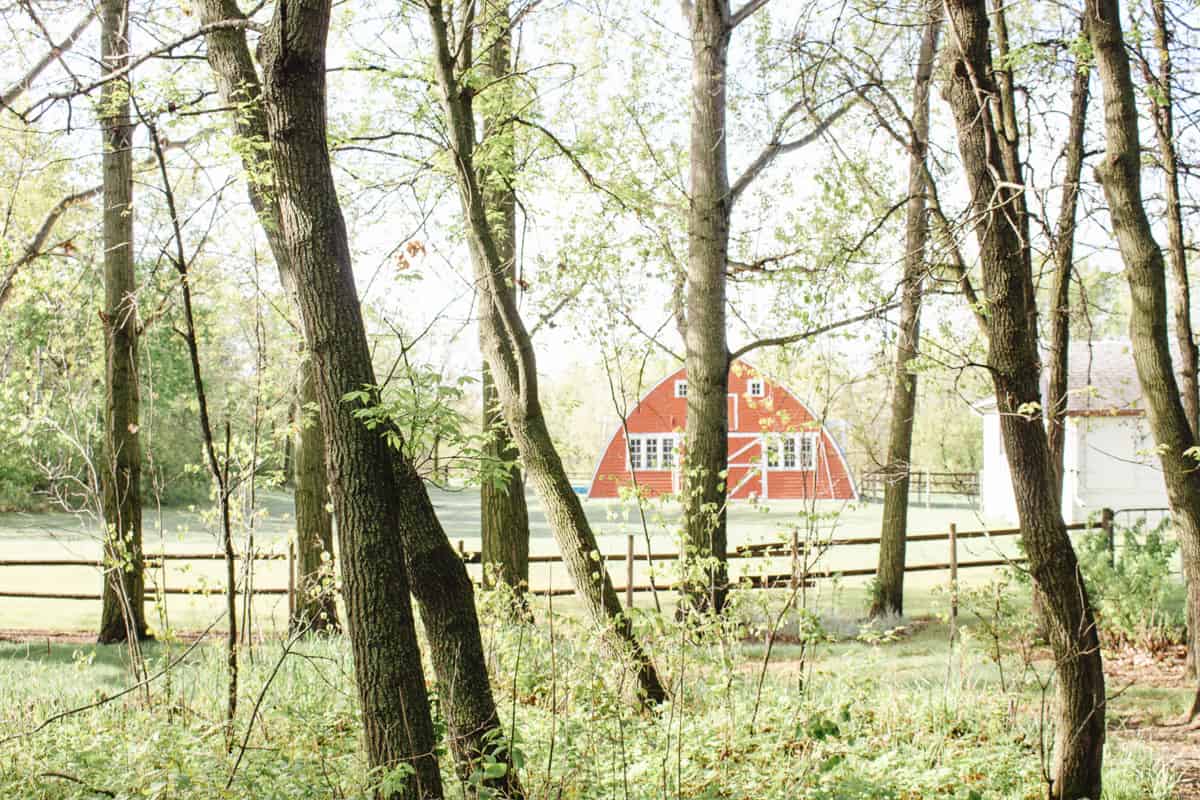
777,448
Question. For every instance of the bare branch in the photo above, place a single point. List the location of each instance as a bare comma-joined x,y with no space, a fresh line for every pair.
776,341
55,52
574,159
34,248
220,25
37,245
551,313
777,147
746,11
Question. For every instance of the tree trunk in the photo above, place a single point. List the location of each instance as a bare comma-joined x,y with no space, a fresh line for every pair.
123,613
1014,365
889,585
509,353
1060,294
435,572
397,725
504,518
1120,175
706,453
1164,126
316,602
239,86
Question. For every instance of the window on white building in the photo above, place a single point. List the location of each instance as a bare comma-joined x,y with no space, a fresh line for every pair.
791,451
756,388
681,388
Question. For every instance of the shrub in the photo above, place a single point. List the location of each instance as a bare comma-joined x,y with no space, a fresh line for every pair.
1138,601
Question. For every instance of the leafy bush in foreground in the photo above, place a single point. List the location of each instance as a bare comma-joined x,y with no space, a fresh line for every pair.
853,729
1138,600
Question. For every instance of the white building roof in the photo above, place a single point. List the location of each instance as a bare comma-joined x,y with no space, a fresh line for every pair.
1101,379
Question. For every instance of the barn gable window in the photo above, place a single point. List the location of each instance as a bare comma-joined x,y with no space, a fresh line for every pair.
756,388
652,451
681,388
791,451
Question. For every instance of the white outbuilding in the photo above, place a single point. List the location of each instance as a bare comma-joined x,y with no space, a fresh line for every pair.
1109,459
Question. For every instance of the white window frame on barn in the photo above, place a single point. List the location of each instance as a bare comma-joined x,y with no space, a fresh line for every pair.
651,452
791,452
681,388
756,387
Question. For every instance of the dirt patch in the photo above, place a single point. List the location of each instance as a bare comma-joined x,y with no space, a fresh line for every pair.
40,636
1176,747
34,635
1163,669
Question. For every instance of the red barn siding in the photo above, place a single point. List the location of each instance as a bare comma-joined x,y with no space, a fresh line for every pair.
777,411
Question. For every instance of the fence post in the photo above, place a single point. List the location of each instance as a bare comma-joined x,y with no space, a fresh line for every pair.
1106,525
291,556
953,581
629,570
928,490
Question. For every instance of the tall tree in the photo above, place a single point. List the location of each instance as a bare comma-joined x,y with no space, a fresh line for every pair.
508,349
504,518
711,199
1163,112
391,685
387,527
238,83
1145,271
889,586
1164,128
1060,291
1013,362
123,612
706,357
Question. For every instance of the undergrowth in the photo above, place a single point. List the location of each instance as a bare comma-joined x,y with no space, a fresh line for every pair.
841,724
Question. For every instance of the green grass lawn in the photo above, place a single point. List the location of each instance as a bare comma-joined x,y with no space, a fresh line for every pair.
60,535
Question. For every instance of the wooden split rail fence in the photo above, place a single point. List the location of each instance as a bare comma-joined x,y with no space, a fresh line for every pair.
923,485
797,551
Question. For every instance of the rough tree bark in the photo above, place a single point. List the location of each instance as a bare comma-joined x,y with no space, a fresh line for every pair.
387,527
123,609
1163,111
504,517
893,535
316,605
1014,365
391,687
504,520
1164,127
706,451
508,349
1060,292
1145,269
702,314
239,86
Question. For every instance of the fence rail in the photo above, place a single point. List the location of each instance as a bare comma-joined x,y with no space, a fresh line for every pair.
770,552
923,484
